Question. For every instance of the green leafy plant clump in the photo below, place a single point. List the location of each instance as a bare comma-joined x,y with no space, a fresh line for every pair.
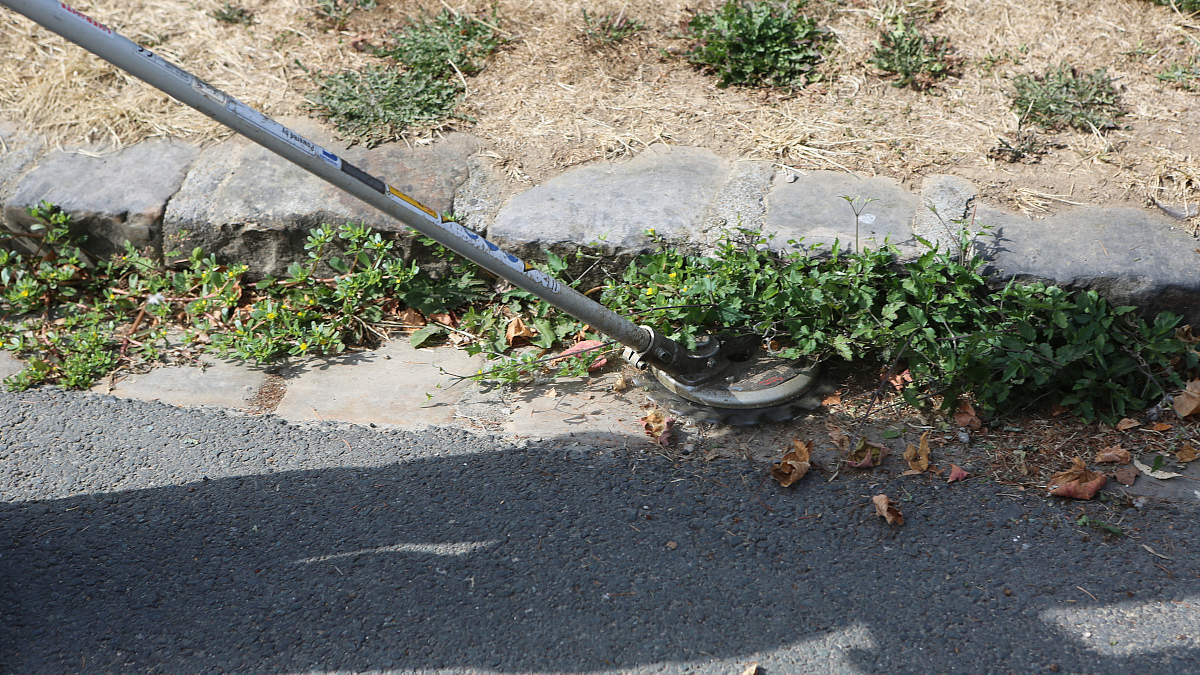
936,314
336,13
1186,6
1065,97
758,44
234,14
916,60
421,81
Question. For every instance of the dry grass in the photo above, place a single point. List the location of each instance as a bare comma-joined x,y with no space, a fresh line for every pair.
549,100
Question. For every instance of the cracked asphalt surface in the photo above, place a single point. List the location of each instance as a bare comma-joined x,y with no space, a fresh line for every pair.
137,537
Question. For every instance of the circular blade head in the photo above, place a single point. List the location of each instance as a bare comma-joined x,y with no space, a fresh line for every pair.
762,382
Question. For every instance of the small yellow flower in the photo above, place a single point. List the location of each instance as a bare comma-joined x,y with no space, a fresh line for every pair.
650,232
303,346
270,316
25,293
672,275
650,291
684,289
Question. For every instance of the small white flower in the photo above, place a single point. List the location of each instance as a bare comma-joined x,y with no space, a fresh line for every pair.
155,299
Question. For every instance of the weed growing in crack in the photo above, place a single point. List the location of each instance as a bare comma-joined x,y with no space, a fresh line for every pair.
336,13
234,14
1065,97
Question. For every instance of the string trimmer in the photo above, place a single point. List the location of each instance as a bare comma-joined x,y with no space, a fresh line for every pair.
724,379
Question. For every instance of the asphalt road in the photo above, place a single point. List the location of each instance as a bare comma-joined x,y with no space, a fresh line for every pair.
138,537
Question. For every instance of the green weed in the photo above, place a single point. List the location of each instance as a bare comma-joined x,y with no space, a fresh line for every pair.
336,13
231,13
1185,76
421,84
758,43
916,60
377,104
1064,97
1185,6
609,29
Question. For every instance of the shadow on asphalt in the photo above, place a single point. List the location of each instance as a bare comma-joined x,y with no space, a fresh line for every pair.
553,559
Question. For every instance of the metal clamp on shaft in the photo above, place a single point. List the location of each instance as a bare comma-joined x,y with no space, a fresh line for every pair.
706,362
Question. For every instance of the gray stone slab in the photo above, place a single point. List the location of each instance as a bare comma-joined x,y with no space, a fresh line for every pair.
245,204
811,210
17,154
112,198
609,206
224,384
9,365
1129,255
741,201
945,209
394,385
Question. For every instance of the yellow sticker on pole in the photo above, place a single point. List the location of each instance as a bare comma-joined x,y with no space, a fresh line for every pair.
412,202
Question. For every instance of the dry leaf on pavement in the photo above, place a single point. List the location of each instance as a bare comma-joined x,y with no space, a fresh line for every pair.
867,454
1187,453
1161,426
517,330
751,669
658,427
1126,475
1077,482
1126,424
794,464
1160,475
1113,454
1187,402
966,417
838,436
918,456
887,510
957,473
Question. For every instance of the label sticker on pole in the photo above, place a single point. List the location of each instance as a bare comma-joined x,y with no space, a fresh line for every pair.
85,18
270,126
398,196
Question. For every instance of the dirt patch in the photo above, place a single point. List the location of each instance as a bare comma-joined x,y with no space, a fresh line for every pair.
550,100
268,396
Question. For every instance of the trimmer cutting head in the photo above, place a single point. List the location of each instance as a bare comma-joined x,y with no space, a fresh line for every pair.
761,387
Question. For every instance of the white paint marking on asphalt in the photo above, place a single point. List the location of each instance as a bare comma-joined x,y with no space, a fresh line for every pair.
820,654
1129,628
448,549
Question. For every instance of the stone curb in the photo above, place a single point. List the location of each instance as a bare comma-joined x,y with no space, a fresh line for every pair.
240,202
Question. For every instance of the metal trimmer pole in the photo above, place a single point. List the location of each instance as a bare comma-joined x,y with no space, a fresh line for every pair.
655,350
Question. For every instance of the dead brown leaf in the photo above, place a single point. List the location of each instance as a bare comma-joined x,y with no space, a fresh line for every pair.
794,464
1126,424
832,399
887,510
957,473
1161,426
966,417
918,456
1058,409
1187,453
1188,401
1184,334
1077,482
900,380
412,319
1126,475
867,454
517,330
658,427
751,669
838,436
1114,454
445,319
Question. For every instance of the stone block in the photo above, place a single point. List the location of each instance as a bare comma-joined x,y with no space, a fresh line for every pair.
111,198
610,206
1128,255
243,203
945,208
811,210
224,384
